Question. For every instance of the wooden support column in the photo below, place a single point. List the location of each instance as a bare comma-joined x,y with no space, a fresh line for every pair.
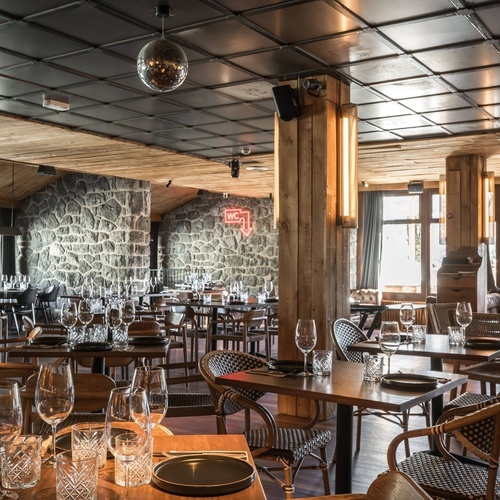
314,250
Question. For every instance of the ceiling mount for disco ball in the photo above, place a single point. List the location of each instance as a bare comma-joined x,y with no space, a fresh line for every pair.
162,65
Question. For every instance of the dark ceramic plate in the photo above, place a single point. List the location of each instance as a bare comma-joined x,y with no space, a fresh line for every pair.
237,303
483,343
288,365
409,381
93,346
148,340
49,340
271,300
202,475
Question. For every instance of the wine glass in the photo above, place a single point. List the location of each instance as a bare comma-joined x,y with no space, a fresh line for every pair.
69,315
268,287
113,314
54,398
128,313
152,379
128,426
407,318
11,421
85,312
463,314
5,280
305,339
389,340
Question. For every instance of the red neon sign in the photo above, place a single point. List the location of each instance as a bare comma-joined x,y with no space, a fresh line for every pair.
241,217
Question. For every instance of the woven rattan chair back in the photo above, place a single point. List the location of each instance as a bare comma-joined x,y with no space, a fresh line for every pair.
439,316
484,325
345,333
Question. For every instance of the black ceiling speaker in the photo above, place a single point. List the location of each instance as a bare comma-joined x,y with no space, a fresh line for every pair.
286,100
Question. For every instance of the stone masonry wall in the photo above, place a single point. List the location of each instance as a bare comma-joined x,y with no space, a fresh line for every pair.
195,236
85,226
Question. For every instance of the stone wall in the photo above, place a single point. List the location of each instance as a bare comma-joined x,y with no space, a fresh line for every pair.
85,226
195,237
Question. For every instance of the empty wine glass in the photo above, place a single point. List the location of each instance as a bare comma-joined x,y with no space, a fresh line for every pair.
54,398
11,421
389,340
69,315
305,339
407,318
128,313
128,426
85,312
152,380
463,314
268,287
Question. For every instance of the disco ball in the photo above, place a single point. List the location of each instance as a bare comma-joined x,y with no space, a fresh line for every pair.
162,65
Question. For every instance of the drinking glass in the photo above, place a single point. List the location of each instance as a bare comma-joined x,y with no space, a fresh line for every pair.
407,318
86,292
305,339
11,421
69,315
128,313
54,398
85,312
389,340
268,287
128,426
152,380
463,314
5,280
113,316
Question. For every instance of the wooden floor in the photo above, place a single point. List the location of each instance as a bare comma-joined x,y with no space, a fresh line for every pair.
367,463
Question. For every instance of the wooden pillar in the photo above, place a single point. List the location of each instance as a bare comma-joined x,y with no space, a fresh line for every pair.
314,250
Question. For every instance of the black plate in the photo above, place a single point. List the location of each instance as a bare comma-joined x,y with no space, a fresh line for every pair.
203,475
271,300
483,342
237,303
93,346
288,365
49,340
148,340
409,381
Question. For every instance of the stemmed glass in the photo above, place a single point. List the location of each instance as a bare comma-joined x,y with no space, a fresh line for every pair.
85,312
128,426
128,313
152,380
5,280
407,318
463,314
268,287
305,339
11,421
69,315
54,398
389,340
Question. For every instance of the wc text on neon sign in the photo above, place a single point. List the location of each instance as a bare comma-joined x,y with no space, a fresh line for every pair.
241,217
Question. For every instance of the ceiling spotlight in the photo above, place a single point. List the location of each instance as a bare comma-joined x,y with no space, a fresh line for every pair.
364,184
225,195
235,165
313,85
245,150
162,65
46,170
56,102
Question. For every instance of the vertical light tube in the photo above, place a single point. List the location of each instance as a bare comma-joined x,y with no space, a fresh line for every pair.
348,169
489,207
442,209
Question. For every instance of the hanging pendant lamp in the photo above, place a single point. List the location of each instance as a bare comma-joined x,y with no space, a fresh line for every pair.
11,230
162,65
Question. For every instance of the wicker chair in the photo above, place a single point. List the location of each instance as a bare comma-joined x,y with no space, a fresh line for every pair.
345,333
441,316
445,475
288,446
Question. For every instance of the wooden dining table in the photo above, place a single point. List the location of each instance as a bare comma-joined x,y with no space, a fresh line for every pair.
108,490
346,387
436,348
98,356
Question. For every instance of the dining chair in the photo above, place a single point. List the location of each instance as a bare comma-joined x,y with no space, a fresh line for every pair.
46,301
25,306
287,446
193,332
249,330
440,316
345,333
447,475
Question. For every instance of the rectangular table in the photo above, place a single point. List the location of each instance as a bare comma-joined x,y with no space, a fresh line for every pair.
162,442
98,357
436,348
346,387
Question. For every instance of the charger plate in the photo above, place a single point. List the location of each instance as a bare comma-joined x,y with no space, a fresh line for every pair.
93,346
49,340
148,340
410,381
203,475
290,365
483,342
